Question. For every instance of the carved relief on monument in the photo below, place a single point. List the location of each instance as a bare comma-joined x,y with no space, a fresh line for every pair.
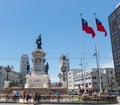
38,64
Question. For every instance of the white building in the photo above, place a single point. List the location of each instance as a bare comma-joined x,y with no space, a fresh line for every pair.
71,74
23,64
64,68
92,79
12,76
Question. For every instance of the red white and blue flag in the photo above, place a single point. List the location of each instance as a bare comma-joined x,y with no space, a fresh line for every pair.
87,28
100,27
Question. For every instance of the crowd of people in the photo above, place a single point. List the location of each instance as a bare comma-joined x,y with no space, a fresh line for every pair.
29,96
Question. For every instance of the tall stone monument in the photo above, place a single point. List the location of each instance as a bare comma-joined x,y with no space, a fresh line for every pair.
38,77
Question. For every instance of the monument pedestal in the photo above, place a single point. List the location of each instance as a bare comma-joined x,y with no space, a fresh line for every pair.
39,77
6,84
41,81
64,84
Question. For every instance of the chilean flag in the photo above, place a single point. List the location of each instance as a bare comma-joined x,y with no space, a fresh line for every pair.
87,28
100,27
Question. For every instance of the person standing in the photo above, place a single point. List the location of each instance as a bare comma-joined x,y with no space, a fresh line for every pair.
27,97
30,96
58,95
38,97
24,96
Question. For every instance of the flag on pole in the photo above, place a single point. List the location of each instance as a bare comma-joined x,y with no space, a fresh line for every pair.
100,27
87,28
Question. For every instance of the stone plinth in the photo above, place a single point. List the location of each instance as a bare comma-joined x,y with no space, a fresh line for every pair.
6,84
41,81
38,77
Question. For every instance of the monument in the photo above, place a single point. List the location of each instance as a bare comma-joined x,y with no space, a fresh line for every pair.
38,77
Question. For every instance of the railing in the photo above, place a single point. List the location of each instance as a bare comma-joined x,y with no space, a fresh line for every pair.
61,98
44,98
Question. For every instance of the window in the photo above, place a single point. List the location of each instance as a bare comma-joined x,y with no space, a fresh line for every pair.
112,78
89,83
94,77
94,83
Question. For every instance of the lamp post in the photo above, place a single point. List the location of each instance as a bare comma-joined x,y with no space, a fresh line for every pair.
63,69
60,75
8,69
111,83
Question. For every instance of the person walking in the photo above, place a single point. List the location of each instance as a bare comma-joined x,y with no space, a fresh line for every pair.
24,96
27,97
39,97
35,98
30,96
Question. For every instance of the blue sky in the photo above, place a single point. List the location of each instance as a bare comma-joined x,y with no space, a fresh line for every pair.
59,23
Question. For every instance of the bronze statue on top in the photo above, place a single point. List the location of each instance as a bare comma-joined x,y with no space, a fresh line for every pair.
39,42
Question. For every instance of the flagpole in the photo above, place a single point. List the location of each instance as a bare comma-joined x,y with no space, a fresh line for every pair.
83,60
98,61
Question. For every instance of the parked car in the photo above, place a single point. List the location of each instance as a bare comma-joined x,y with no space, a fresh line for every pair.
72,92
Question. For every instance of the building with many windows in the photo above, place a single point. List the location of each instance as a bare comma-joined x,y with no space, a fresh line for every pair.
108,81
23,64
71,74
13,76
114,24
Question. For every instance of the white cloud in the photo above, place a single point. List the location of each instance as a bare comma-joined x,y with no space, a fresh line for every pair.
108,65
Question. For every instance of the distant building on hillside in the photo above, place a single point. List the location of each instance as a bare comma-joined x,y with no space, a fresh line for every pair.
114,24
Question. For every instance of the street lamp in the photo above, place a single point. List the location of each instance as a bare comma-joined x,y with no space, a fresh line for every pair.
60,75
111,83
8,69
63,69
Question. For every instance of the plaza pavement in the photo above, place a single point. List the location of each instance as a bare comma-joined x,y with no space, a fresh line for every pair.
7,103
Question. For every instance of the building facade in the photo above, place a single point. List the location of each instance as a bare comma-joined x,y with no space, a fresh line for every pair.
12,76
108,81
114,24
23,64
71,74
